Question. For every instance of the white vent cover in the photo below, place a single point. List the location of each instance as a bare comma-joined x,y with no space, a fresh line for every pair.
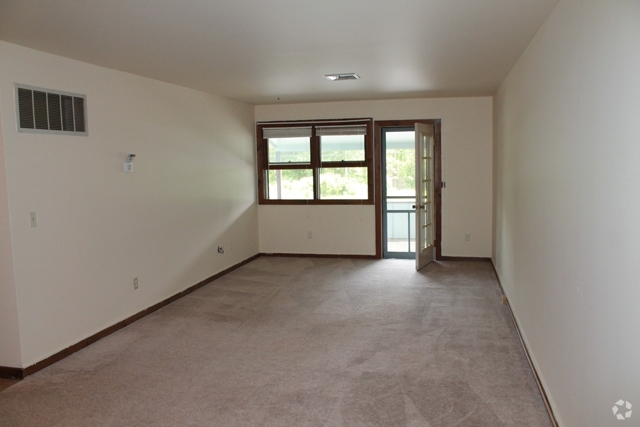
344,76
50,111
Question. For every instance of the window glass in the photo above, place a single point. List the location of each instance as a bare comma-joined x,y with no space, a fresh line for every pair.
289,150
337,148
344,183
315,162
400,158
288,184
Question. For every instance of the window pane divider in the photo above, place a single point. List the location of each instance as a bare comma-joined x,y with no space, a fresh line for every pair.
276,166
345,164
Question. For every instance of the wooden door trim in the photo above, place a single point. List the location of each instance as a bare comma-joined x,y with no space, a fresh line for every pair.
377,144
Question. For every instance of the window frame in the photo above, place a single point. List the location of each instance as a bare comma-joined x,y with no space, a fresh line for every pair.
316,163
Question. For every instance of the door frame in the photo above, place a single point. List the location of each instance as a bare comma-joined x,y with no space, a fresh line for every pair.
409,255
377,141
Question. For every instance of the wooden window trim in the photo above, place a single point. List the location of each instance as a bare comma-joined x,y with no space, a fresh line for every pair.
316,164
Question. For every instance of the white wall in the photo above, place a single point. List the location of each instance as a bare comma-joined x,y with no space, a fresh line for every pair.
9,327
568,205
193,188
336,230
467,138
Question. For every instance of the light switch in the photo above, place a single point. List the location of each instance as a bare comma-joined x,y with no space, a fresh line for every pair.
32,219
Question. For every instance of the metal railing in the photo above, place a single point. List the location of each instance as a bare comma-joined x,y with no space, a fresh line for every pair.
410,223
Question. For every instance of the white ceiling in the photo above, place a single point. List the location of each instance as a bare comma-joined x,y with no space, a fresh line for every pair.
258,51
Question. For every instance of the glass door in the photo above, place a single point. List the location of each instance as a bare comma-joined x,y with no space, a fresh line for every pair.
425,180
399,192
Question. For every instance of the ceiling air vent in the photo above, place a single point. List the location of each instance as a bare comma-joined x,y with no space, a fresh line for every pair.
50,111
344,76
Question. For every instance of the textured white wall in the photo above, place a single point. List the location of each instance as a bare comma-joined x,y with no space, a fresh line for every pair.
193,188
467,138
568,205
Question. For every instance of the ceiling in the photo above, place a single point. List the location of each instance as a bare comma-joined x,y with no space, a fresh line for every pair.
264,52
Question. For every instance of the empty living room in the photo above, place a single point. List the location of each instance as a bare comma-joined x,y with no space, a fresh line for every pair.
296,213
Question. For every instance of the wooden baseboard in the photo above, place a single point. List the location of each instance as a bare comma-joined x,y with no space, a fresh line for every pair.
11,373
498,279
463,258
442,258
20,373
543,392
319,256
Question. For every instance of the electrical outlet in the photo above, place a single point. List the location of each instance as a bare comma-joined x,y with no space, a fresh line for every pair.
467,237
220,250
309,235
135,283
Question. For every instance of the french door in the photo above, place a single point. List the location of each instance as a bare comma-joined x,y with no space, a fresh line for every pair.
425,192
409,155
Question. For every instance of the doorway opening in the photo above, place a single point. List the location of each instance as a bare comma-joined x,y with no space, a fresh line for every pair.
396,219
398,192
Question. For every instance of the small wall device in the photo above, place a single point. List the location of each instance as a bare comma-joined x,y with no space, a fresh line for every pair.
128,164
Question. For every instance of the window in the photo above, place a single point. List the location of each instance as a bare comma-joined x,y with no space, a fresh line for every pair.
319,162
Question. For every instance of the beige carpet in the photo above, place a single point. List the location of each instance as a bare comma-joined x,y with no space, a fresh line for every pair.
302,342
4,383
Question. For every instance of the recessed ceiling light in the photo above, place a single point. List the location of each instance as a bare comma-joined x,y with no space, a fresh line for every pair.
344,76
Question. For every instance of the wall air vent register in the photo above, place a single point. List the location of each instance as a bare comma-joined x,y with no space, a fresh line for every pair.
50,111
340,77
